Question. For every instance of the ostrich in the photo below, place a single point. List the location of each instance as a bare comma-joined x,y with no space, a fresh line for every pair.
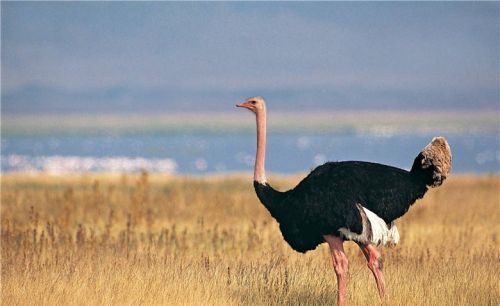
347,200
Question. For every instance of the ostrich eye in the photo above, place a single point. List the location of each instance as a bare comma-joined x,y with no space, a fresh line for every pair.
253,102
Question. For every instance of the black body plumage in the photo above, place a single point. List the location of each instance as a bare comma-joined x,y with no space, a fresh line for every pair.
326,199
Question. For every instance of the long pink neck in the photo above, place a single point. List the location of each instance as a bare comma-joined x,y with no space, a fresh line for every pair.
259,174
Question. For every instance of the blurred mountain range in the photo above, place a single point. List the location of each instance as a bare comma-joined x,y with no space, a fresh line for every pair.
37,99
166,57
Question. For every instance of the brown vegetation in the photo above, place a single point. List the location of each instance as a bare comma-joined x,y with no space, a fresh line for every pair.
115,240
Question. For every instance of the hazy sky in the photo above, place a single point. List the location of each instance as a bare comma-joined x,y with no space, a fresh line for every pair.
184,54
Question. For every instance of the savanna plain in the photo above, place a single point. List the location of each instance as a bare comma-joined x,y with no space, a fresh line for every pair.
165,240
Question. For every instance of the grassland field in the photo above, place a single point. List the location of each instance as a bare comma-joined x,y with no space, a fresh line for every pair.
171,240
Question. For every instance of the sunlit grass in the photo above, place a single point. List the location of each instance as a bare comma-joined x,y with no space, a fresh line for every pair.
151,240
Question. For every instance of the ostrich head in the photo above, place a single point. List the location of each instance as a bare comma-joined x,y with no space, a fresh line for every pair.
255,104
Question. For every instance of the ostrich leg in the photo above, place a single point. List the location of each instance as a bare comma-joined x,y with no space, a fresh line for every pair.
340,265
375,264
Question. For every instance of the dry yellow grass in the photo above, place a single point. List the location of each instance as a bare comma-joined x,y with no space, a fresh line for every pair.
152,240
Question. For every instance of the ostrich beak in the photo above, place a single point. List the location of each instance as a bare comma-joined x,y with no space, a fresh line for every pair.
244,105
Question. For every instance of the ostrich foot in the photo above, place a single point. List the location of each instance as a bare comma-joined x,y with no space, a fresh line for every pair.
375,264
340,265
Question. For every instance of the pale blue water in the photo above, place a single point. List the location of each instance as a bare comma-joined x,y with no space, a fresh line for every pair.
206,153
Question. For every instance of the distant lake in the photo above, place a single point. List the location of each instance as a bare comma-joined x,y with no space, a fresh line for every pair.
207,152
